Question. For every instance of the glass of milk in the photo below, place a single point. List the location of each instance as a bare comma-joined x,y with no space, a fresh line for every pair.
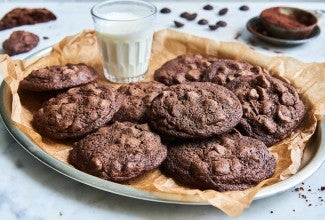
124,30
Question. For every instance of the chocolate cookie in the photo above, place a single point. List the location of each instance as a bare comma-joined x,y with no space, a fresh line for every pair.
272,108
137,98
229,162
77,112
20,42
119,152
21,16
223,71
184,68
59,77
194,110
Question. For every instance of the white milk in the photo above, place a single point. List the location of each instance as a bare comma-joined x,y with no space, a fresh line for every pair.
125,45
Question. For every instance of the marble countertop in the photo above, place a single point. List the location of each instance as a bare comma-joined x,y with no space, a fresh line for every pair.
31,190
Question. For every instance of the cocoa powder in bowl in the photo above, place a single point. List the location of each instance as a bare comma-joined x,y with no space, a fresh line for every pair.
288,23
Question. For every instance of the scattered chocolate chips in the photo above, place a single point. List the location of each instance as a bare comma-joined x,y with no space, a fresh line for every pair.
45,38
184,15
213,27
165,10
244,8
203,22
178,24
223,11
221,23
208,7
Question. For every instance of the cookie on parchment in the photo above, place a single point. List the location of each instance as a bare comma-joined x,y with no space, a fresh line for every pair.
20,42
58,77
184,68
226,163
119,152
137,98
77,112
272,109
222,71
194,110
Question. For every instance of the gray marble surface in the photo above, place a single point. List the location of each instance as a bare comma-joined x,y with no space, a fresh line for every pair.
31,190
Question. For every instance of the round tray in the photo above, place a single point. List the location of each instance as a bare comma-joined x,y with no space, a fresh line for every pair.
313,158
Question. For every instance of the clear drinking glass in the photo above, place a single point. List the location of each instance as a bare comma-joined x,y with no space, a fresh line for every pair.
124,31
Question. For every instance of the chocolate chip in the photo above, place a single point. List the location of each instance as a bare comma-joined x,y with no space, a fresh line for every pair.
165,10
184,15
221,23
223,11
208,7
45,38
213,27
244,8
237,36
192,17
178,24
188,16
203,22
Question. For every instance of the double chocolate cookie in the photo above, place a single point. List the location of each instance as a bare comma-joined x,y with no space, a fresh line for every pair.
59,77
223,71
20,42
272,108
77,112
22,16
194,110
137,98
229,162
184,68
119,152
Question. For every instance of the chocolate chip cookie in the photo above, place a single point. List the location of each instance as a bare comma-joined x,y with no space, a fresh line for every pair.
119,152
272,108
194,110
226,163
77,112
223,71
59,77
20,42
184,68
137,98
22,16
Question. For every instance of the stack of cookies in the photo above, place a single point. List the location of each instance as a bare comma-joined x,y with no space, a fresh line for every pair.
205,122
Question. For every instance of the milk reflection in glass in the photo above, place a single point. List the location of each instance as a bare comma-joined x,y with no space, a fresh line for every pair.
124,31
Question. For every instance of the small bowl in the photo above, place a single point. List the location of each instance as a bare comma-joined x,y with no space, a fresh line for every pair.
288,23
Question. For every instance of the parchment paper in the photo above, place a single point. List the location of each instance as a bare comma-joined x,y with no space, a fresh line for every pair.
308,78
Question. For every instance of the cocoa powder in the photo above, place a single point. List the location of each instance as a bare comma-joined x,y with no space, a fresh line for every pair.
275,17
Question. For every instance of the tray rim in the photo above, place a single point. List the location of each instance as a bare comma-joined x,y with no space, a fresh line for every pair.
24,141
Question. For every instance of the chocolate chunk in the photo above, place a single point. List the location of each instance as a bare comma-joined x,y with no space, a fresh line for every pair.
178,24
165,10
244,8
203,22
213,27
45,37
223,11
208,7
20,42
221,23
